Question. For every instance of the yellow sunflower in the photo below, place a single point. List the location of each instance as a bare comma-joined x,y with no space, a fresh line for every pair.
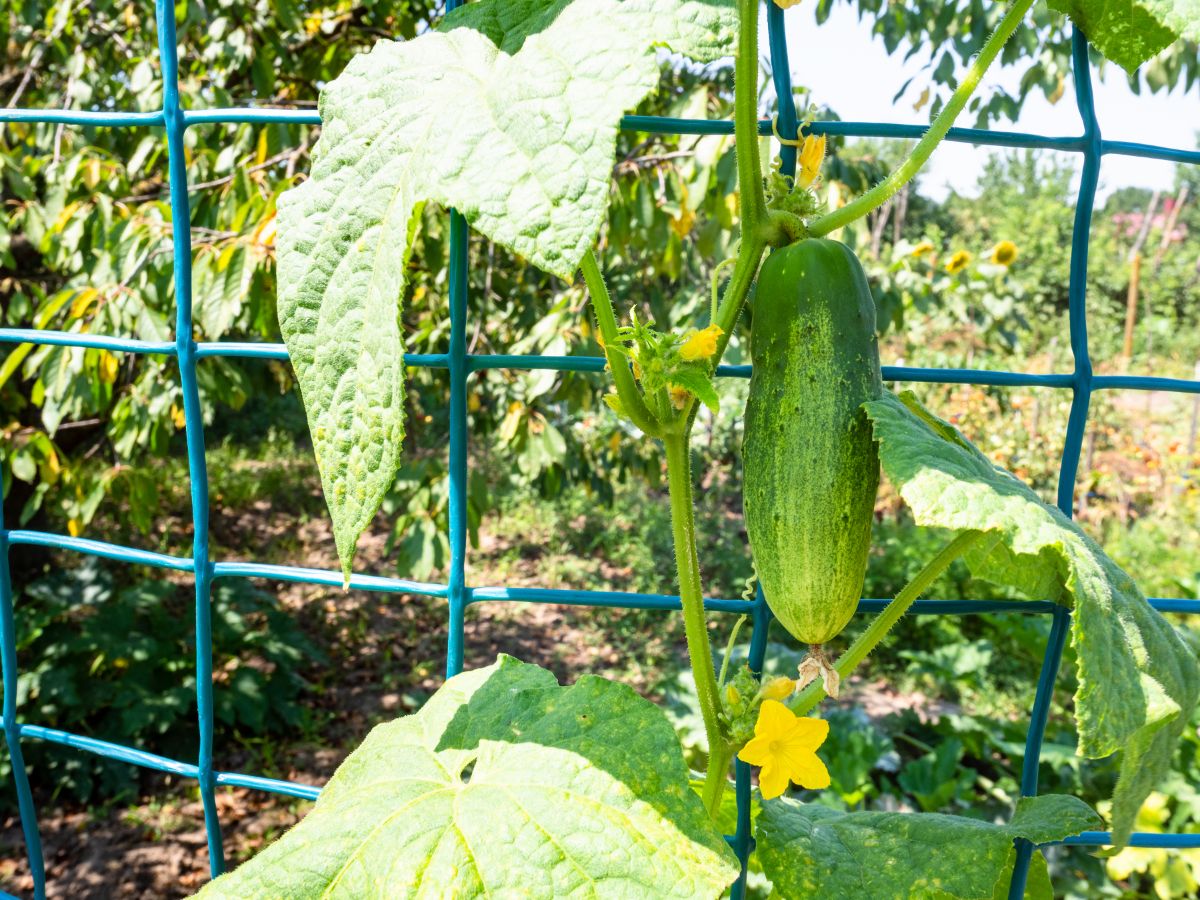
959,261
1004,253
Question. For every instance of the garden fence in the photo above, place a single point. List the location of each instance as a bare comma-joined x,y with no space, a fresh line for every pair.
460,364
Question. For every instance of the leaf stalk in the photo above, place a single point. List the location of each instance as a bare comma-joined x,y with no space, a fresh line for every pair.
920,154
807,699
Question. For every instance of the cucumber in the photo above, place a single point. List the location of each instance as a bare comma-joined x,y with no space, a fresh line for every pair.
811,467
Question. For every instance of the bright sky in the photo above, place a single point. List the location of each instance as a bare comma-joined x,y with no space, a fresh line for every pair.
863,90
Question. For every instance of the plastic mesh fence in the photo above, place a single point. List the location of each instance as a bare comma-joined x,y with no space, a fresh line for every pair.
460,365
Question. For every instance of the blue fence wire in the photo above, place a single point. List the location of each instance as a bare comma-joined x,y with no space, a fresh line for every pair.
460,365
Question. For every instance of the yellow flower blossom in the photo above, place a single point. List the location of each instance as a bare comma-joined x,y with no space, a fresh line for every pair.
702,344
778,688
785,746
959,261
922,249
812,154
787,4
679,396
1004,253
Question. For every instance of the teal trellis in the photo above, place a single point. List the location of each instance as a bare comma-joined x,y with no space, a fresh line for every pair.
460,364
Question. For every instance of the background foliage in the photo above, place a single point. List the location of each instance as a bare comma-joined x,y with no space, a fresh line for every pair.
92,441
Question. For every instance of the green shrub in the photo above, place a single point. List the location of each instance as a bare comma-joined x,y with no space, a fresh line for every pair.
117,662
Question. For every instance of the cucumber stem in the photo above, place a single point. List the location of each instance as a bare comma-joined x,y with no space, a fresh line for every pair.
677,440
755,217
744,269
884,191
754,226
745,121
630,395
687,562
807,699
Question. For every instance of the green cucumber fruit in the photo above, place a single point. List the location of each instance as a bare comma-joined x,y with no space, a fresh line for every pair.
811,467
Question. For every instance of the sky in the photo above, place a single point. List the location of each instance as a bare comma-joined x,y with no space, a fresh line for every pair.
864,92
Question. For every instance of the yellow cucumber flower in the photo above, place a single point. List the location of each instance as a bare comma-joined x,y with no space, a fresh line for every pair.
679,396
778,688
787,4
1004,253
959,261
922,249
785,746
732,697
702,344
812,154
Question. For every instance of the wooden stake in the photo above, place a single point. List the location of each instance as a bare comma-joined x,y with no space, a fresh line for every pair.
900,216
1169,227
1144,231
1131,304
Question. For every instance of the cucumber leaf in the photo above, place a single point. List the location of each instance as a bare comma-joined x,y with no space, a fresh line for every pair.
509,111
503,784
1138,679
1129,33
813,851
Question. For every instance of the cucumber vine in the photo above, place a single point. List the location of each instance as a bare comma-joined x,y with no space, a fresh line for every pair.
761,228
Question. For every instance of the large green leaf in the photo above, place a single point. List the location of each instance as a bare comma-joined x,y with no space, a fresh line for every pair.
510,113
1138,679
504,784
1129,33
812,851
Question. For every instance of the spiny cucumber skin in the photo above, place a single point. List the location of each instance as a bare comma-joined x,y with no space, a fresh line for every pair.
811,466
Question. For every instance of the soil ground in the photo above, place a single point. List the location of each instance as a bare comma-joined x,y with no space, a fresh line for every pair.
388,653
